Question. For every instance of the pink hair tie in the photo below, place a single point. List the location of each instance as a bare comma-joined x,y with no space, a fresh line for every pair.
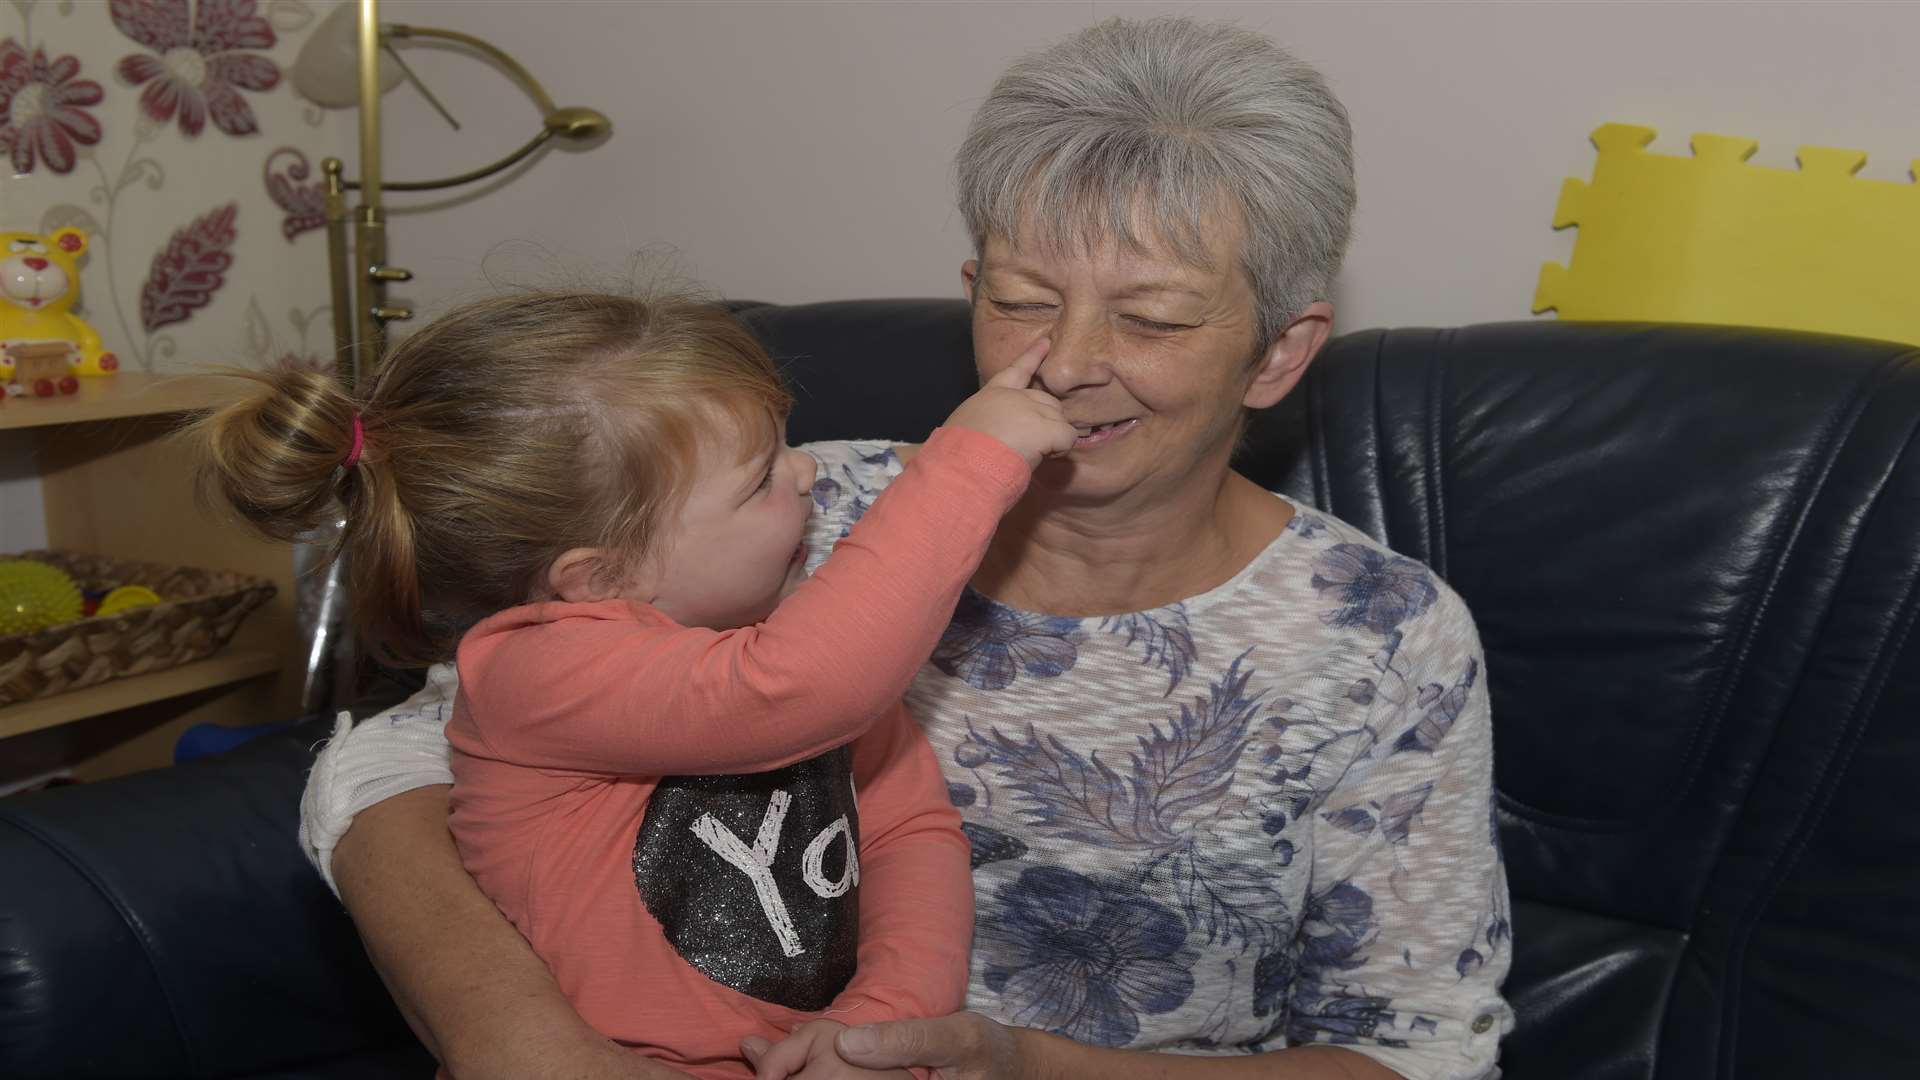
359,441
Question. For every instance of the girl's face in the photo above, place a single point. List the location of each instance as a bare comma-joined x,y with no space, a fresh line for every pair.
737,549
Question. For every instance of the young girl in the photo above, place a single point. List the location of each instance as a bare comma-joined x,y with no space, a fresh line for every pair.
662,724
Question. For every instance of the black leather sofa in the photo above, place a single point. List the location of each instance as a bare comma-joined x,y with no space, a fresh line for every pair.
1694,554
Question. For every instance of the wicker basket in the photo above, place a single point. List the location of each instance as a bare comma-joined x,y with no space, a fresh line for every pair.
198,613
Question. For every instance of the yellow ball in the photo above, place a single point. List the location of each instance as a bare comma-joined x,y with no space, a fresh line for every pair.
126,598
34,595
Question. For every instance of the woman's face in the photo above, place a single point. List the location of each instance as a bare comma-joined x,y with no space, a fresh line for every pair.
1152,358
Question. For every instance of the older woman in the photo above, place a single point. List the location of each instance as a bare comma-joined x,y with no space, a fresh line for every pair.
1225,761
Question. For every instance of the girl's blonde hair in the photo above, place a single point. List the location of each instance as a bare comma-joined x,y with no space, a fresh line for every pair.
503,434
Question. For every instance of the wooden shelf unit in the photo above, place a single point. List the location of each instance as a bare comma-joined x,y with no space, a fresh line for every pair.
224,667
115,482
126,394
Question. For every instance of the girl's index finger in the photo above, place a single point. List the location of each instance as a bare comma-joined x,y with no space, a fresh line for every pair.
1018,374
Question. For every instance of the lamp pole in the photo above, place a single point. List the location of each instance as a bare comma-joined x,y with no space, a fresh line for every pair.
359,273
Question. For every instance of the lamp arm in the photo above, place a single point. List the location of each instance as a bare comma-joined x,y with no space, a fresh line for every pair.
360,319
573,124
520,74
466,177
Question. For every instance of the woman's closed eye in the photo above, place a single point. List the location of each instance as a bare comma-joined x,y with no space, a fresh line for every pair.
1016,307
766,482
1156,325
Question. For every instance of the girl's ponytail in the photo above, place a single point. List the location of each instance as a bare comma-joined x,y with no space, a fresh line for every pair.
274,455
492,441
388,606
296,452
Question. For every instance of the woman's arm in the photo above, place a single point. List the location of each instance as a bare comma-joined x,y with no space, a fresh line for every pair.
1405,934
968,1046
466,981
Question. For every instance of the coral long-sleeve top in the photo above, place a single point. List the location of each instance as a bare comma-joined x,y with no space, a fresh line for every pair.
668,813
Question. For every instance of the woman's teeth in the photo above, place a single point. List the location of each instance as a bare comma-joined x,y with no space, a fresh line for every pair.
1097,434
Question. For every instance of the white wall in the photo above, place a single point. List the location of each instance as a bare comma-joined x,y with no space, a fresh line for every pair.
799,151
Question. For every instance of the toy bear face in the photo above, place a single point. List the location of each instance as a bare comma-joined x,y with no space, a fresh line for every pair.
37,273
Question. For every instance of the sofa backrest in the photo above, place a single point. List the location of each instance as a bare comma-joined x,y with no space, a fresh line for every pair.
1694,557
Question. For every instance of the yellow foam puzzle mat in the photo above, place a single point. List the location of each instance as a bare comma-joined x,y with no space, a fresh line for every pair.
1712,239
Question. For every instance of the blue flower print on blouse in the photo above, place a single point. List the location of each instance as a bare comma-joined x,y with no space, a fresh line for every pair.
1306,525
990,644
1163,636
1155,802
828,491
1442,705
1375,589
1337,928
1272,978
1083,958
1338,924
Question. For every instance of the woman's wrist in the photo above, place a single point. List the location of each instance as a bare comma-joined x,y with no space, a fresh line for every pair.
1038,1055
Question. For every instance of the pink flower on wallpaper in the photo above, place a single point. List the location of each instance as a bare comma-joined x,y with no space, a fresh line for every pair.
305,204
194,69
189,270
40,108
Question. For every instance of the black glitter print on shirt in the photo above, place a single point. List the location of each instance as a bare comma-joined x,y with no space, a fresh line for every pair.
755,878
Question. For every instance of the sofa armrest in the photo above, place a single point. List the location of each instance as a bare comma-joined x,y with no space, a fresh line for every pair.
166,923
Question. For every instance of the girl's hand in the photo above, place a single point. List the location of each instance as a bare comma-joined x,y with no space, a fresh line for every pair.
1009,409
808,1053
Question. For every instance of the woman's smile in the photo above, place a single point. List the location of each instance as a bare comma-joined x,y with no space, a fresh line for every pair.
1093,436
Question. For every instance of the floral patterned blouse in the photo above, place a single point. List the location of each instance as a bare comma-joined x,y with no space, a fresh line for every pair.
1257,817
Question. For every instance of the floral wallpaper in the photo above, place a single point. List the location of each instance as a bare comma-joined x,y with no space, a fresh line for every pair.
167,130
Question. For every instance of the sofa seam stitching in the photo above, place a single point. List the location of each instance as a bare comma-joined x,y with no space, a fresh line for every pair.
1816,802
1780,549
1842,427
133,925
1436,482
1376,420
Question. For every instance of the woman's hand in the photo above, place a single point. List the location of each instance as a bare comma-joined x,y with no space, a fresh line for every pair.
808,1053
1009,409
968,1046
963,1046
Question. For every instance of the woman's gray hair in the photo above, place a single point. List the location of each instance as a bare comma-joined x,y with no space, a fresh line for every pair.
1147,125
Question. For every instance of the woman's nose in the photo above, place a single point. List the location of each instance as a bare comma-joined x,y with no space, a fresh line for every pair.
1075,359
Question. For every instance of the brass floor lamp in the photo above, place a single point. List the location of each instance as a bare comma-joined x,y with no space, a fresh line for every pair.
340,66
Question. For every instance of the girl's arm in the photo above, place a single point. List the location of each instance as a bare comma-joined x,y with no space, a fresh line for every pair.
610,694
916,886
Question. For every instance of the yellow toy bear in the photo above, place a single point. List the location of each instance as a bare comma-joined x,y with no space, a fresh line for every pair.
43,344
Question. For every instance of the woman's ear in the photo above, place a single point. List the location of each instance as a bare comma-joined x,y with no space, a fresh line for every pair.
969,273
577,576
1286,359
